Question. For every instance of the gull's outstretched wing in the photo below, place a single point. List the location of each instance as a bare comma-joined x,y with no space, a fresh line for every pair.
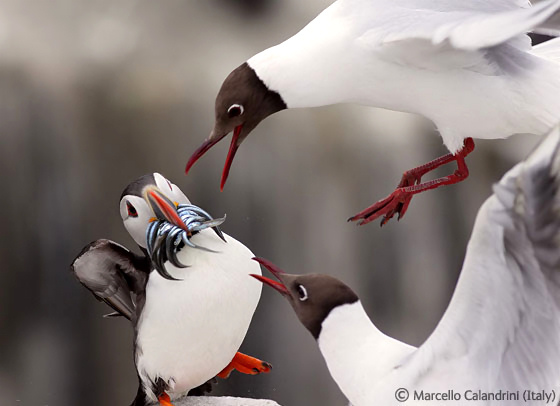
549,27
501,330
464,25
112,273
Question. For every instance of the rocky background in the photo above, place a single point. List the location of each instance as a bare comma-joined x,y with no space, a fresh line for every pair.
96,93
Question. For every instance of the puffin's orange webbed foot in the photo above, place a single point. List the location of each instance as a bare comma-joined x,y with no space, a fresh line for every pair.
246,365
165,400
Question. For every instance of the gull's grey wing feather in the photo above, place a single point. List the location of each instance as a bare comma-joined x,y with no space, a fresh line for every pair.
469,25
488,37
502,327
112,273
549,27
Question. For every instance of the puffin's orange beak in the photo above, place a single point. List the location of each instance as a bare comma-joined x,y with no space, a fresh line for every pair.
163,208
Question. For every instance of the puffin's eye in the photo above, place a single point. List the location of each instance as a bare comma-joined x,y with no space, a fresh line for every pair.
169,184
131,210
235,110
302,292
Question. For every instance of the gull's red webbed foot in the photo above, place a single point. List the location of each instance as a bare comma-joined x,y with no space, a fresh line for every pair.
396,202
410,184
246,365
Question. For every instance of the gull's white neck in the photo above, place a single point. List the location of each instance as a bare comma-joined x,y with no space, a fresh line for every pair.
307,61
357,353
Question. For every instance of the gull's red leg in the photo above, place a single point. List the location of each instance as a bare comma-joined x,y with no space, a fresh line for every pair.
414,177
410,184
246,365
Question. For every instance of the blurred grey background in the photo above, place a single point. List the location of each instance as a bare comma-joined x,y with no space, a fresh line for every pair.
94,94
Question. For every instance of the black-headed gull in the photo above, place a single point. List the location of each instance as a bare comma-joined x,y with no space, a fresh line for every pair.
189,297
466,65
498,343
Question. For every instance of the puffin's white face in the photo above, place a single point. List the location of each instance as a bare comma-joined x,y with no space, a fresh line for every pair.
137,213
170,190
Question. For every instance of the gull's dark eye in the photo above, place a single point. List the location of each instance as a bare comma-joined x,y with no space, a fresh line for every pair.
235,110
131,210
302,292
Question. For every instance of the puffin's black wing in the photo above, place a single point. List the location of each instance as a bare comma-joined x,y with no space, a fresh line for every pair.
112,273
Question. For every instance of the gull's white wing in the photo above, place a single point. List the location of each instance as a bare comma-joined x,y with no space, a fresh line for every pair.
549,27
502,327
112,273
465,25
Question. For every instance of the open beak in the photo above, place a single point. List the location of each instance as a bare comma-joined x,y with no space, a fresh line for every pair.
212,140
163,208
277,272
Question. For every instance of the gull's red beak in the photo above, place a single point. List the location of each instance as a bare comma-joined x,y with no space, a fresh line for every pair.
231,154
209,143
206,145
277,272
163,208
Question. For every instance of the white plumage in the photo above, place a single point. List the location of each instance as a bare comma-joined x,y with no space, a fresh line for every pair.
190,298
190,329
466,65
501,331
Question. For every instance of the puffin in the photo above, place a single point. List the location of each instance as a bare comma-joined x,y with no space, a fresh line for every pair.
467,66
188,296
498,342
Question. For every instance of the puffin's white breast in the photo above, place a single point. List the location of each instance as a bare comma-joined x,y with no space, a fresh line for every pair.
189,330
